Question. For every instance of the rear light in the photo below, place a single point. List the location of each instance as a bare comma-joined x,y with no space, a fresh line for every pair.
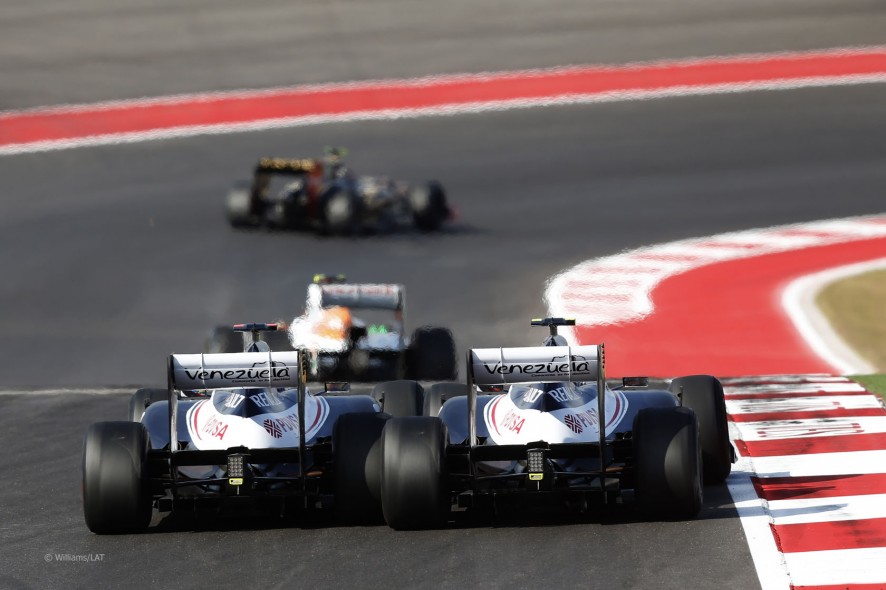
236,469
535,464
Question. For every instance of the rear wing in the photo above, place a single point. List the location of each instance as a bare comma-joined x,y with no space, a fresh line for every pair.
358,296
288,166
534,364
238,369
234,370
498,366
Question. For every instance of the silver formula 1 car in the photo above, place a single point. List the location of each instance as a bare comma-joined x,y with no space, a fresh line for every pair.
239,428
323,195
558,432
357,332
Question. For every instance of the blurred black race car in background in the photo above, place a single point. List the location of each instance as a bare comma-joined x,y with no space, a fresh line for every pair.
323,194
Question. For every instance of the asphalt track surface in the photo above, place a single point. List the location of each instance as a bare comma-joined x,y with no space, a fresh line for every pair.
115,256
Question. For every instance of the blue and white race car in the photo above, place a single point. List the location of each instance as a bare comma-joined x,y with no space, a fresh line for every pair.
558,432
239,427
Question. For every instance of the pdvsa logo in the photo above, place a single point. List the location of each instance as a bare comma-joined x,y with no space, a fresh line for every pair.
277,427
579,421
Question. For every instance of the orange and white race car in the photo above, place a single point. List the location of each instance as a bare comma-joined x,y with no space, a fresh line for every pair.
357,332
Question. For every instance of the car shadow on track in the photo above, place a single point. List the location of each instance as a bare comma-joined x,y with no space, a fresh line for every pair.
718,505
458,229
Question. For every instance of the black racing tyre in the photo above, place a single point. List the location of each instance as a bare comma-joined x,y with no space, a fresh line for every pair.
341,212
431,355
356,456
223,339
239,207
429,208
437,394
400,398
667,462
413,484
116,489
143,398
704,395
289,210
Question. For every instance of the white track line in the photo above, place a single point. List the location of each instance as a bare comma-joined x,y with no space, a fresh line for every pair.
749,407
755,521
860,462
773,388
811,428
828,509
848,566
70,391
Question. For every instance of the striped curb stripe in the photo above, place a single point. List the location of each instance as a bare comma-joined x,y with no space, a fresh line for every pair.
830,536
616,289
791,395
842,443
821,495
830,486
810,414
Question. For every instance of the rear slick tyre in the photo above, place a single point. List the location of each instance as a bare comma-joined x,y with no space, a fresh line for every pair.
667,461
356,457
341,212
703,394
143,398
432,355
116,489
429,208
413,483
239,207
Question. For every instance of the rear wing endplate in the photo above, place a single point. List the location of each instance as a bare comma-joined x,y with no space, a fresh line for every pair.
358,296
